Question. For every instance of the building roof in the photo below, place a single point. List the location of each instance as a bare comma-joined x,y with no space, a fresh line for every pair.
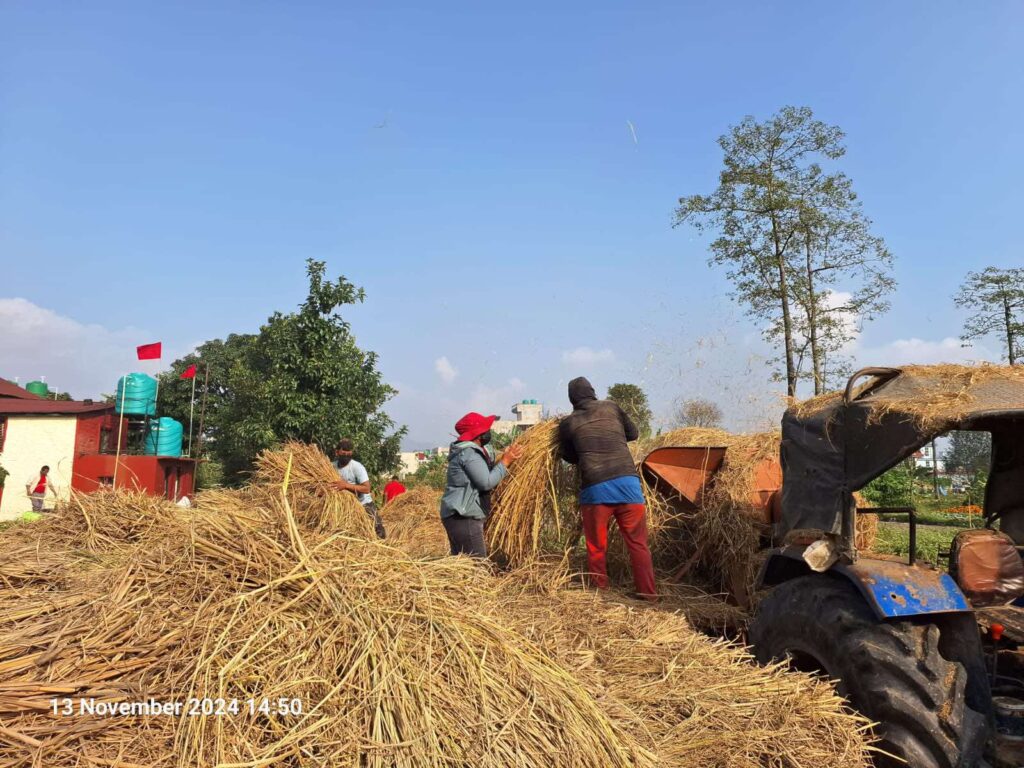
9,389
12,406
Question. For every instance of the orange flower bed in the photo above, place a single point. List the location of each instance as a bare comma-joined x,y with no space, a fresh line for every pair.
970,509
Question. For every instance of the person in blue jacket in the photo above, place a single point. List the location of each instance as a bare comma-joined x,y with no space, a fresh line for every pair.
473,472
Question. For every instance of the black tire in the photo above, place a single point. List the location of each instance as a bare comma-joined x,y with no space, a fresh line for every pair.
923,681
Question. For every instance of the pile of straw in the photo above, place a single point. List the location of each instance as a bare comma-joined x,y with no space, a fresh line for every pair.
394,661
934,397
397,661
413,522
692,701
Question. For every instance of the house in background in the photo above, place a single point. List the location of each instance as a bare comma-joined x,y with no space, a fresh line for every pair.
78,441
528,413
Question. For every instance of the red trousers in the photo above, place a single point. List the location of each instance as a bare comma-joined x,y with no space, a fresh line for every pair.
632,524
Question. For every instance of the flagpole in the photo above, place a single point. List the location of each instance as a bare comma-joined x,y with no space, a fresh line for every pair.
120,427
202,412
191,410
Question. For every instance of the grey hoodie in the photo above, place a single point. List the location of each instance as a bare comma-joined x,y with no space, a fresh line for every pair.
468,476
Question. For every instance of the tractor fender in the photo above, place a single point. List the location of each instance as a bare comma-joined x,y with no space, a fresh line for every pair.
893,590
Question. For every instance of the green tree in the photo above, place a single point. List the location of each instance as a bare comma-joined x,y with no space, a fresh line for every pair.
838,251
216,362
301,377
996,297
891,489
633,401
755,211
792,238
969,452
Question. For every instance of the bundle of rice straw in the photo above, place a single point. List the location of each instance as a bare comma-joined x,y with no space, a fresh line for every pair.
320,506
413,521
534,507
396,662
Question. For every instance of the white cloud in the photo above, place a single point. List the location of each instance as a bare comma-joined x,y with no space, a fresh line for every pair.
83,359
445,370
499,400
587,356
923,352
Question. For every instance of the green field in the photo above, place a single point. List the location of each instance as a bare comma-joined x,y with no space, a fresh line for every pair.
894,539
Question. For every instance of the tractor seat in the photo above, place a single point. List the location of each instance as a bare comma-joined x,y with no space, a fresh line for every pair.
987,566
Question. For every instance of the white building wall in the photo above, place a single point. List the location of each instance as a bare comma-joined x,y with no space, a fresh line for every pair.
31,442
409,463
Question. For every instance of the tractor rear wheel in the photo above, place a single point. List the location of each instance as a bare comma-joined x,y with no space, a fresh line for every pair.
923,681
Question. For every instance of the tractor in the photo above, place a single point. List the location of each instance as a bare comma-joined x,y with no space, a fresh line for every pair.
934,657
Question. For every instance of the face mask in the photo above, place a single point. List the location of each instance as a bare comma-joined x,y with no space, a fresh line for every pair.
485,438
344,460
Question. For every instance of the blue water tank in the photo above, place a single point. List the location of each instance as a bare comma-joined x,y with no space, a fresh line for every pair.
164,437
136,392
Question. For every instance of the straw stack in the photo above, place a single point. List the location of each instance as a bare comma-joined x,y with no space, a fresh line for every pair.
396,662
413,521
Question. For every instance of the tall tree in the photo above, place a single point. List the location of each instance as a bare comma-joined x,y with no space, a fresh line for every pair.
698,412
996,297
633,401
969,452
756,212
836,246
301,377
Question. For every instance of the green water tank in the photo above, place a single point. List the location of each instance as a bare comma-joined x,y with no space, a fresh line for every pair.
164,437
38,388
136,395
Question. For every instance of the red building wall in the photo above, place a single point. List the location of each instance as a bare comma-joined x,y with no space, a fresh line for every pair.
156,475
97,432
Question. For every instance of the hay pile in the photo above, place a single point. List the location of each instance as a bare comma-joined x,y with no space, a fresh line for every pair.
397,661
413,522
933,397
692,701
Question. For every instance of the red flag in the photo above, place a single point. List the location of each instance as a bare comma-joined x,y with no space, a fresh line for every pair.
149,351
190,372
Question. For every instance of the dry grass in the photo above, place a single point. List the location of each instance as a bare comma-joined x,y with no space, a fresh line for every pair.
692,701
529,514
413,522
934,397
319,506
399,662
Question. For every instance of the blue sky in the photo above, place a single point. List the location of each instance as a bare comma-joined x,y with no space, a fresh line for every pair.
166,169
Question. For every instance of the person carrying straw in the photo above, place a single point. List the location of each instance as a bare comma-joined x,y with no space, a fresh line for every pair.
37,486
473,472
595,437
354,478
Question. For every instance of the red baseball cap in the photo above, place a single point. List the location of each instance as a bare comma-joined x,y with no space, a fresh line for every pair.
472,425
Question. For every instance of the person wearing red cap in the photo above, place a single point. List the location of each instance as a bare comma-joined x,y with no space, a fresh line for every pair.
594,437
472,474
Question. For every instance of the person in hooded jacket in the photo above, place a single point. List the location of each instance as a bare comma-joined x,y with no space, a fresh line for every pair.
595,437
473,472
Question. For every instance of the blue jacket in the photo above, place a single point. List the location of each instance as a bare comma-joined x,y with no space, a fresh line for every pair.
468,475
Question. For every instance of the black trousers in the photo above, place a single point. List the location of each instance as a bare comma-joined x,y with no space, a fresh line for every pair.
378,524
466,536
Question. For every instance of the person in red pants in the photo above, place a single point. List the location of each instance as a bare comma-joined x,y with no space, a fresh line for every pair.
595,437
